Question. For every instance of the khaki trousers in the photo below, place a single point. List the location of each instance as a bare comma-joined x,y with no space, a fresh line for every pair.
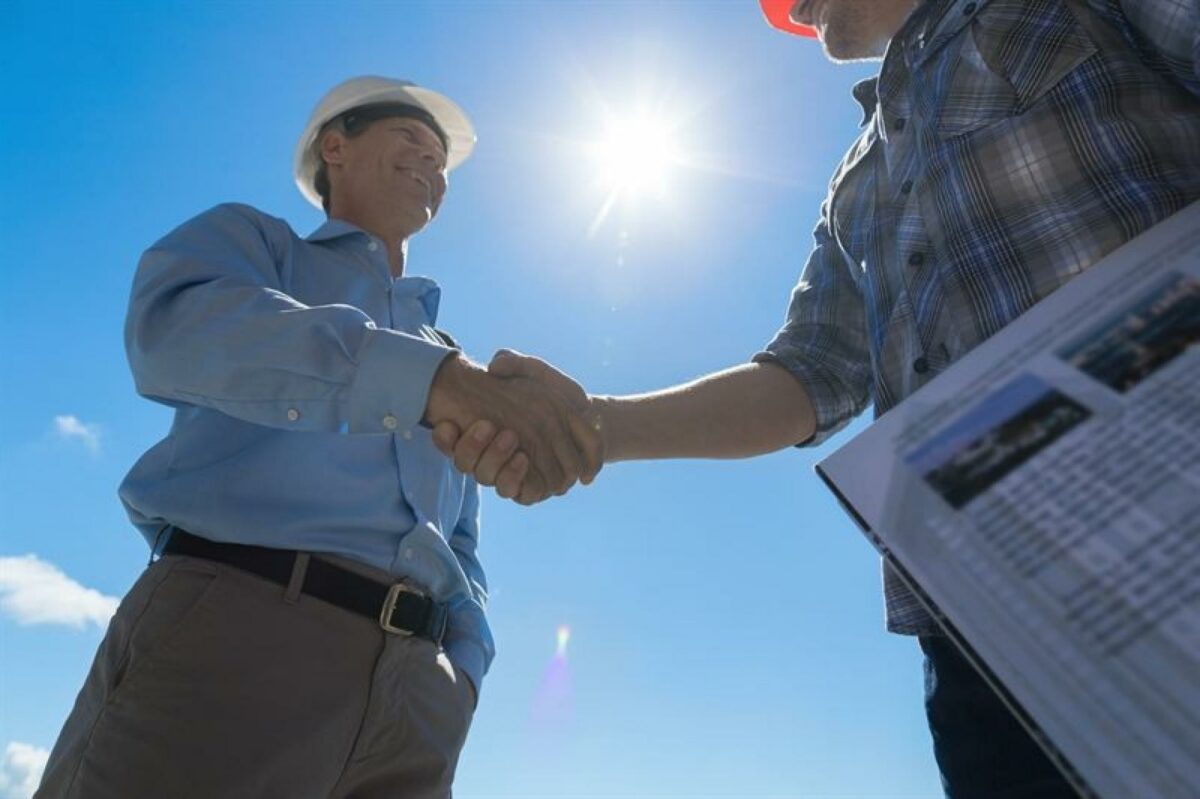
214,683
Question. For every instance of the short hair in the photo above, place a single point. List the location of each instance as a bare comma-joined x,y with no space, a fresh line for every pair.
355,122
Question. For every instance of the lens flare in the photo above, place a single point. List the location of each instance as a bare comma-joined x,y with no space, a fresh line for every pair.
553,706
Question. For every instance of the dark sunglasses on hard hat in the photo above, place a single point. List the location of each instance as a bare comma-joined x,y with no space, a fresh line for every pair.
358,118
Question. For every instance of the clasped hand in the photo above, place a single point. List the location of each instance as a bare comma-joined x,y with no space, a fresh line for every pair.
523,427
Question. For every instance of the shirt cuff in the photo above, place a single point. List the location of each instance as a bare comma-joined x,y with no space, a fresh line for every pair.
833,408
391,385
470,656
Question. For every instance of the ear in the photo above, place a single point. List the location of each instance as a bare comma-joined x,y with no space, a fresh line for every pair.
333,147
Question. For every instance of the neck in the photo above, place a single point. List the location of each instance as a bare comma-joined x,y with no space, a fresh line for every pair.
393,236
397,254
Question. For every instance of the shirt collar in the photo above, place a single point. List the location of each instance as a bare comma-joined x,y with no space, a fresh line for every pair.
928,28
864,93
424,290
335,228
936,22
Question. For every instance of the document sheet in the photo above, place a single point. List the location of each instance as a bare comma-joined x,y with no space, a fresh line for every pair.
1042,496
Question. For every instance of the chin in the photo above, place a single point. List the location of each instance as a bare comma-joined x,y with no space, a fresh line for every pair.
845,50
850,37
414,222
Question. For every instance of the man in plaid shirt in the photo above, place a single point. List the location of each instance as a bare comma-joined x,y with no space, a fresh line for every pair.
1008,145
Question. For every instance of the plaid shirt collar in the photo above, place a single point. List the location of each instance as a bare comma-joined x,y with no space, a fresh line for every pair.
926,31
937,22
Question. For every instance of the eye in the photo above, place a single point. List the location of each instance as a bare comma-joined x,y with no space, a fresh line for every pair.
412,135
406,132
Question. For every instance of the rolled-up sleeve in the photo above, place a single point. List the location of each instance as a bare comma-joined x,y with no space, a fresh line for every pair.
210,325
468,641
823,341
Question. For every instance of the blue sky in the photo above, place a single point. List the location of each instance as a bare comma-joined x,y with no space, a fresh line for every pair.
726,619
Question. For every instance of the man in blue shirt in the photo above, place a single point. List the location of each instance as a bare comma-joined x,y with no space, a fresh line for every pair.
315,625
1007,145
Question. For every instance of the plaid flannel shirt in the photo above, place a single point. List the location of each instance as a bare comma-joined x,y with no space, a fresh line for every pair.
1008,145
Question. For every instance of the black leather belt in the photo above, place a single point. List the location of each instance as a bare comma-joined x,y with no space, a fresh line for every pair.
398,608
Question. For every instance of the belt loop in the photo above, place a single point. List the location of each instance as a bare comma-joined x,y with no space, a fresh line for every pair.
299,569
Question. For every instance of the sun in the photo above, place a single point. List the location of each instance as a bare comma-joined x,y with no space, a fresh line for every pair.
636,155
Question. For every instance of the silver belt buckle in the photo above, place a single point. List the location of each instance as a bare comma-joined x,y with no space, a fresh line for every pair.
389,605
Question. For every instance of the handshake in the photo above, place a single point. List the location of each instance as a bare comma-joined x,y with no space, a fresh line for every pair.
519,425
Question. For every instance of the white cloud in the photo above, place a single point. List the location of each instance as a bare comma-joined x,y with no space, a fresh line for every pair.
70,427
33,591
21,770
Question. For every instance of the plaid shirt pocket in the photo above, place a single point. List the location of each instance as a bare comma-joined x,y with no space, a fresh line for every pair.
992,79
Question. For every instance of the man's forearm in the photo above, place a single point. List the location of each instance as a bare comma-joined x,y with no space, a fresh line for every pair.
744,411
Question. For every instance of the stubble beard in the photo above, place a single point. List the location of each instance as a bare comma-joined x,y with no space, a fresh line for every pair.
853,31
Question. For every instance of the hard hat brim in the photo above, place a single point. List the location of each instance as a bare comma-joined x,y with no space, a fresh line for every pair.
460,134
779,15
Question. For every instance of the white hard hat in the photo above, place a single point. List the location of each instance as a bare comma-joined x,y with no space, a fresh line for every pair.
370,90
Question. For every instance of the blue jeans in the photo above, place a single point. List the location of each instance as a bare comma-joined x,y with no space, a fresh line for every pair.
982,750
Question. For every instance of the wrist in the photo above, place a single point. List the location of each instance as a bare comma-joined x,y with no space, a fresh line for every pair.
450,391
606,419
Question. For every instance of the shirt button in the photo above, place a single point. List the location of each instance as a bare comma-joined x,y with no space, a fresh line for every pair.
906,187
408,553
920,366
390,422
968,9
898,124
372,246
293,414
407,434
916,259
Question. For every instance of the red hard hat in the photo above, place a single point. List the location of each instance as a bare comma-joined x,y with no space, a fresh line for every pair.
778,13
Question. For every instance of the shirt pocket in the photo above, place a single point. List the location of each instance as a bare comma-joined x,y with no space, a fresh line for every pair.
1013,53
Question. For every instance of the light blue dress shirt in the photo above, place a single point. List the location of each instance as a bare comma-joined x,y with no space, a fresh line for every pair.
299,371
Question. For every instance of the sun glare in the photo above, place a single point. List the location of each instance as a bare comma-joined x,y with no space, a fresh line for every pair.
636,155
634,158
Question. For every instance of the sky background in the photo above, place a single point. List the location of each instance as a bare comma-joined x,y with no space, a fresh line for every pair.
726,620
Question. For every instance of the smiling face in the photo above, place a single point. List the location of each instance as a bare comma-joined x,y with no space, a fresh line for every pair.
853,30
388,179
